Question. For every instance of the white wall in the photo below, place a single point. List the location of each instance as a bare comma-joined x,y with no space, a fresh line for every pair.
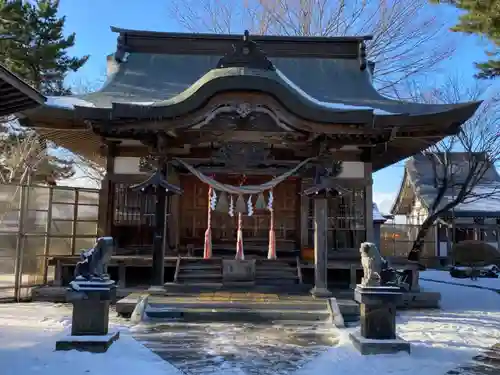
127,165
352,169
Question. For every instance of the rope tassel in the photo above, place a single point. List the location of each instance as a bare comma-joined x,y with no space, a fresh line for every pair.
239,239
271,251
207,248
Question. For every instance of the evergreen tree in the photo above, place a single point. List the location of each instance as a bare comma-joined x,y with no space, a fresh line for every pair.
481,17
33,46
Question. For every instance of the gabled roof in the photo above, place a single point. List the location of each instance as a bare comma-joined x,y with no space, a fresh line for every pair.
419,182
154,81
15,94
165,76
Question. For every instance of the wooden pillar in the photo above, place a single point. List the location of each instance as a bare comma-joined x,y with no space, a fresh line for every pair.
320,247
158,243
497,229
369,203
173,218
106,194
304,214
75,221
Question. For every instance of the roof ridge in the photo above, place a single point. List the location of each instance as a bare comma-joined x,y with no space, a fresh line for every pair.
140,41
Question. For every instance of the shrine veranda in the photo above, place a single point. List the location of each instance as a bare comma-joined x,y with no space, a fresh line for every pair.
247,147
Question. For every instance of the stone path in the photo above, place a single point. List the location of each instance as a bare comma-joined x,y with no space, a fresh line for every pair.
242,348
487,363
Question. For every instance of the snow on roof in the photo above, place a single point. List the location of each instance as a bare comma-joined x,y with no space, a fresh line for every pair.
331,105
422,177
377,216
67,102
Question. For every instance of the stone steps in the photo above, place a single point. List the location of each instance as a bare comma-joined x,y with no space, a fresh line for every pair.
195,271
235,315
196,267
267,272
197,275
240,307
207,286
275,272
182,302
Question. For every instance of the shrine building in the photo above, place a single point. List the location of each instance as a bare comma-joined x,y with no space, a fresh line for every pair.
240,146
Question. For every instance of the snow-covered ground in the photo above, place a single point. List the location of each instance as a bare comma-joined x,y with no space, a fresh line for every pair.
468,323
444,276
28,334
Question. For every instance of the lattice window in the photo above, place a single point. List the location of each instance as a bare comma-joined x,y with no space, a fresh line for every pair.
133,208
346,220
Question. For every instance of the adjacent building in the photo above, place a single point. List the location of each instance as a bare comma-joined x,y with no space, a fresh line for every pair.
477,218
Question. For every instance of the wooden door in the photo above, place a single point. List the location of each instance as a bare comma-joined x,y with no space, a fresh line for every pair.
194,211
133,217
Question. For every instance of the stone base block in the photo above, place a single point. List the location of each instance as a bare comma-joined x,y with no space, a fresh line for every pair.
90,317
370,346
320,292
93,344
157,290
238,270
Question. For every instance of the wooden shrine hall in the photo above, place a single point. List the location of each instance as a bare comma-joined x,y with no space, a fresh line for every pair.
246,147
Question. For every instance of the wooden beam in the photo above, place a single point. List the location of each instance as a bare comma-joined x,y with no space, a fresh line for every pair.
106,194
75,222
369,203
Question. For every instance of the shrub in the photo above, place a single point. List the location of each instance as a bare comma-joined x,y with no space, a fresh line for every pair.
474,253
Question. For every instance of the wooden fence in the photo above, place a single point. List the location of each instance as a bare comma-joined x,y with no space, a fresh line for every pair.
38,222
397,240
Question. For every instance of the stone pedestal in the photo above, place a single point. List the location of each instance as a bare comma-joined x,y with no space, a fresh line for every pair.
90,321
238,270
377,334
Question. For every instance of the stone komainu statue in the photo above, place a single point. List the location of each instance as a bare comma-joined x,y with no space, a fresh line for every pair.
94,262
372,263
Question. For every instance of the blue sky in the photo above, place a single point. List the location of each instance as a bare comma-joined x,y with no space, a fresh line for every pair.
91,21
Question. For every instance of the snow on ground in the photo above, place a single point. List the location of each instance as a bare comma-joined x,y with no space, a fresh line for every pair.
444,276
441,340
468,322
28,334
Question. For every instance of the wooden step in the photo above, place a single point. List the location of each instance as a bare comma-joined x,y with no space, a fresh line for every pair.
276,276
200,268
198,275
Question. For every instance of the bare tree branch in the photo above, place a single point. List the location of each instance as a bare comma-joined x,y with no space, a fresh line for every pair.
90,170
21,153
463,165
409,38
